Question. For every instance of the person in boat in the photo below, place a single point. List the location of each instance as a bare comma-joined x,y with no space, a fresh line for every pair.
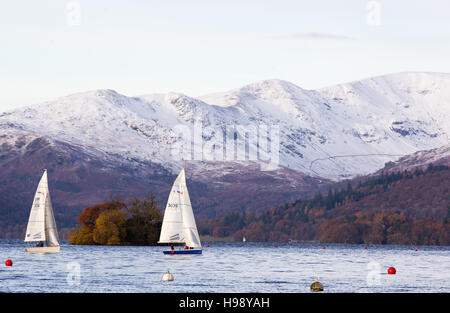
40,244
171,247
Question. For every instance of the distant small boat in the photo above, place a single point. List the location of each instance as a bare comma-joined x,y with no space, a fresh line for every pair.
41,226
243,239
178,225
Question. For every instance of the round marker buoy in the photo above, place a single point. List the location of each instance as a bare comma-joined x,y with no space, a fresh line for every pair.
416,250
323,248
207,246
365,248
8,262
276,246
167,276
316,286
391,270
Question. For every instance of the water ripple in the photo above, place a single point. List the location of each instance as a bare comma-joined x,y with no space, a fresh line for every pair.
228,267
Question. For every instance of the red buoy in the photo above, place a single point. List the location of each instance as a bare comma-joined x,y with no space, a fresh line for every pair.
323,247
207,245
276,246
9,262
392,270
172,251
417,250
365,248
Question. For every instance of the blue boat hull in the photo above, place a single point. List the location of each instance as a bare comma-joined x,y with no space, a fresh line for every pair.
173,252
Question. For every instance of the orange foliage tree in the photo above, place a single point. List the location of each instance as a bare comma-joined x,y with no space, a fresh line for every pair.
119,222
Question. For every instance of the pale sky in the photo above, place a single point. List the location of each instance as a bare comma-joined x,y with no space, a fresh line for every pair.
54,48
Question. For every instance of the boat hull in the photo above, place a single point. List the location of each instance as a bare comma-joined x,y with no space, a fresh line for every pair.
173,252
43,249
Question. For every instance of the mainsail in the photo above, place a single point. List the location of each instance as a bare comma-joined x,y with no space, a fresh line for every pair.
41,223
179,222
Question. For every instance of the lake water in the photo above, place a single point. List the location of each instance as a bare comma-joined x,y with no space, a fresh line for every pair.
227,267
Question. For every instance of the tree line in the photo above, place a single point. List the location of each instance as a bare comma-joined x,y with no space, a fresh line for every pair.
409,207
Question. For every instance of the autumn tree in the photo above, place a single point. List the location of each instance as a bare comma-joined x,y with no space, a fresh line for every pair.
110,228
143,222
81,235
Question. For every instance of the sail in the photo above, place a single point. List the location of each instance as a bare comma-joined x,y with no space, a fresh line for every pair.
51,233
191,236
179,222
41,223
172,226
36,221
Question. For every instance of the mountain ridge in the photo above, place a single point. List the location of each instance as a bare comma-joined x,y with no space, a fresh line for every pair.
364,118
325,135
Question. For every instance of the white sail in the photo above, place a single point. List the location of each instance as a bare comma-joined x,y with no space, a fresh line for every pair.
172,226
179,222
191,236
51,232
41,223
36,222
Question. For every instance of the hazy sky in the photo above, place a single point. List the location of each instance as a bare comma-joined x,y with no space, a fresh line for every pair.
54,48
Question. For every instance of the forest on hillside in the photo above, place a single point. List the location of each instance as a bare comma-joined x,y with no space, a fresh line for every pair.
393,208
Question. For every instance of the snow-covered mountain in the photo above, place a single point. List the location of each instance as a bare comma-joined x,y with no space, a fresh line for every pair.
354,128
251,148
420,159
335,132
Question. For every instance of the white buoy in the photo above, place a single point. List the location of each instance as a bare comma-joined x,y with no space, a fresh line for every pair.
167,276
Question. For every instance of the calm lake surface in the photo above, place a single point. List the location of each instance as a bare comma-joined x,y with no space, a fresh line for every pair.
227,267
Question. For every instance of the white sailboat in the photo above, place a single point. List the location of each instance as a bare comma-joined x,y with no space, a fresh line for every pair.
179,223
41,226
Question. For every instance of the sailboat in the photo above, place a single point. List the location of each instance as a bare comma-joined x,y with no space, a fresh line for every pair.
41,226
178,225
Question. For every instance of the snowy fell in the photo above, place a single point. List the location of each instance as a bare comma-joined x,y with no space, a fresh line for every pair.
336,132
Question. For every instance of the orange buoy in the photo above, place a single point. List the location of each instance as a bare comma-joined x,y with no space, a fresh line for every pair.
9,262
391,270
